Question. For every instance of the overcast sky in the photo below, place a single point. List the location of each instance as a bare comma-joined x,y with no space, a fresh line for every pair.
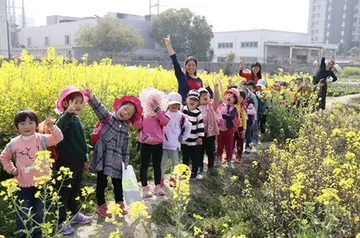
224,15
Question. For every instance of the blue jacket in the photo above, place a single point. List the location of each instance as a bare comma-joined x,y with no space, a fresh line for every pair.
184,80
229,118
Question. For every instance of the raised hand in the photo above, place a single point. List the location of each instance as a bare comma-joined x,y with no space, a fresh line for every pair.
206,84
71,108
323,53
241,65
154,104
220,81
88,90
167,40
49,122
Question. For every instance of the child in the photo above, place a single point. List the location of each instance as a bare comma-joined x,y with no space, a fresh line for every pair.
24,147
191,148
250,109
255,74
175,132
151,138
72,153
112,149
227,129
240,133
210,124
321,94
259,107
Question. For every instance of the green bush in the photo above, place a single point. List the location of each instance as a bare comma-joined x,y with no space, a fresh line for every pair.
350,71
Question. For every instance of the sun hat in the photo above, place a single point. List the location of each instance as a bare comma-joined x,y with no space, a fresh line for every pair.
235,92
193,94
174,98
203,90
134,100
66,92
261,83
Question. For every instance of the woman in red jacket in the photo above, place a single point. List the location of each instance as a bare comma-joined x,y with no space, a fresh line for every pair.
255,73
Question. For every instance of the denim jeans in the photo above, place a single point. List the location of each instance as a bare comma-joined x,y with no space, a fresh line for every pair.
31,205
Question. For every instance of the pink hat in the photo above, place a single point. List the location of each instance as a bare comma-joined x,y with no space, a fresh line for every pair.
136,122
66,92
235,92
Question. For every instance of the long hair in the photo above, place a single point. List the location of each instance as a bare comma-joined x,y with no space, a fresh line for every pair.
258,75
187,60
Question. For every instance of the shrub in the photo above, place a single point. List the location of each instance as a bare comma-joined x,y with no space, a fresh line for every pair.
350,71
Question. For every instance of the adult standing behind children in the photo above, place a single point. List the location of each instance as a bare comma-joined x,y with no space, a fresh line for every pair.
189,80
325,70
255,73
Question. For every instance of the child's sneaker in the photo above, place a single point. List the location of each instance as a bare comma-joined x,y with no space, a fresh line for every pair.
146,192
228,164
102,210
162,182
123,208
159,191
67,230
193,177
238,159
81,219
201,169
248,150
172,182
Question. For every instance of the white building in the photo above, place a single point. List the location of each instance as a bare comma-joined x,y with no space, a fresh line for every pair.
60,33
266,46
317,20
3,30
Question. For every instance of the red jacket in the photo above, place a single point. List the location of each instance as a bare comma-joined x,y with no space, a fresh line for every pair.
248,76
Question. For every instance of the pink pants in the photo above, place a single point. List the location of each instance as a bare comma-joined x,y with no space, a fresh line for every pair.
225,140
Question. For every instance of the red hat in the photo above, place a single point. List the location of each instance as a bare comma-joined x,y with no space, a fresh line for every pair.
235,92
66,92
137,117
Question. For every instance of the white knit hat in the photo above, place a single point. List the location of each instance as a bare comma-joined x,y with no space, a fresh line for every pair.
174,98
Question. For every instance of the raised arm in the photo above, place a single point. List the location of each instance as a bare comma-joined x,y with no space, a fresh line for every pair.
216,100
322,64
178,71
243,74
56,135
99,109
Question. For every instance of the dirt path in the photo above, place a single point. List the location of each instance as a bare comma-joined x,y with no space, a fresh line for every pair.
330,101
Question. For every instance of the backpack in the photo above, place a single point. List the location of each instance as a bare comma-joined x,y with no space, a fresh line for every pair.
43,129
95,136
43,142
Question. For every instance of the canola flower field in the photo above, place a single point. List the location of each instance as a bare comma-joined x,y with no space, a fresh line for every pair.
307,186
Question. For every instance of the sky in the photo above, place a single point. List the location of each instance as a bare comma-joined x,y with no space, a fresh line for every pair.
224,15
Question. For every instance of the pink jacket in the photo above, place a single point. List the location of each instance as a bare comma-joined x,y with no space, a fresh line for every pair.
211,119
152,131
25,152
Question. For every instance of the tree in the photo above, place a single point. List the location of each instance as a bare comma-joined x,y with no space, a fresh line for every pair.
190,34
354,52
229,60
108,35
231,57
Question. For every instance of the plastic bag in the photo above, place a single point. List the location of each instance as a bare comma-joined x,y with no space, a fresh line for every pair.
130,186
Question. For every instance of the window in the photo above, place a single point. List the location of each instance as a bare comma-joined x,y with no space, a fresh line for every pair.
317,31
316,39
314,8
318,7
343,24
29,42
225,45
250,44
318,14
327,33
47,40
344,15
313,15
317,23
67,40
342,33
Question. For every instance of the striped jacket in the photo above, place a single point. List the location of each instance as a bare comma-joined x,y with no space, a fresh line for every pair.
197,126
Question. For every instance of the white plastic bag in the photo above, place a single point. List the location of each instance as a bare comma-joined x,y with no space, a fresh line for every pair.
130,186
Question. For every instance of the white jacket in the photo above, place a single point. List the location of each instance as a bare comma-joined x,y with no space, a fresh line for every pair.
172,130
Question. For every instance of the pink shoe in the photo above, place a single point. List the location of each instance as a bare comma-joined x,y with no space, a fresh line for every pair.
146,192
102,210
123,208
172,182
159,191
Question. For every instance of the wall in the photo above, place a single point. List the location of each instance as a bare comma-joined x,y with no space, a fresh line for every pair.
57,33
